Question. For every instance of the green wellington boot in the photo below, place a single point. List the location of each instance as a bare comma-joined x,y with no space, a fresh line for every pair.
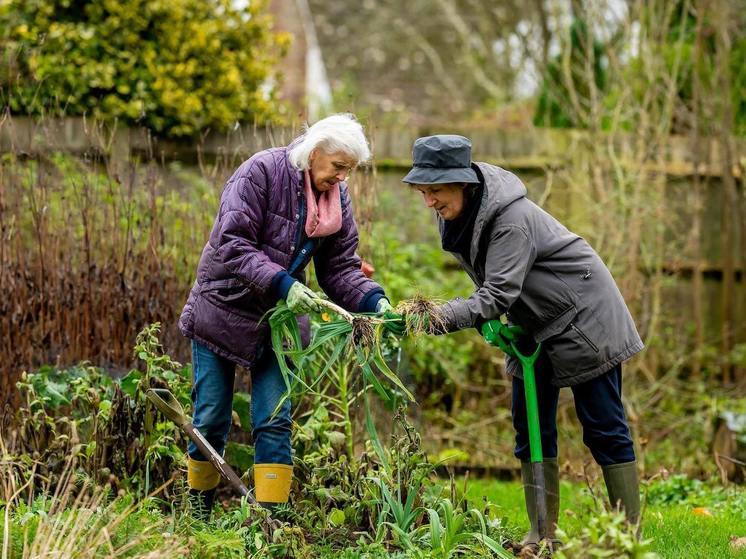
551,481
624,488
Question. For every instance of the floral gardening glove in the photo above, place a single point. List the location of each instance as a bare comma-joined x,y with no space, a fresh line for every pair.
302,299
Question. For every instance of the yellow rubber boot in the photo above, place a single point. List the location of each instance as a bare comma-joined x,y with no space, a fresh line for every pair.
202,475
272,483
203,479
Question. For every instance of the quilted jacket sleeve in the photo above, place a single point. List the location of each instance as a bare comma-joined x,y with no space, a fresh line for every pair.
240,221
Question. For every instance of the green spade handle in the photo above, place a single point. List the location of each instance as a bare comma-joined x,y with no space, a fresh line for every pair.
534,434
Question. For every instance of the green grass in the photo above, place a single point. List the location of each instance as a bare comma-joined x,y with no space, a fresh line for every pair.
676,530
671,523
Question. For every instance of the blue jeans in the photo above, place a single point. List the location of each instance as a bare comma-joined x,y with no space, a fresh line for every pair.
598,405
212,398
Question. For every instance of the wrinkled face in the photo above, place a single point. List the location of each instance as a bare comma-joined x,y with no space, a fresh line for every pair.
329,169
446,199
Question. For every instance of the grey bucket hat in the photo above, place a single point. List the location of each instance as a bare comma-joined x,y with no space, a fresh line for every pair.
444,158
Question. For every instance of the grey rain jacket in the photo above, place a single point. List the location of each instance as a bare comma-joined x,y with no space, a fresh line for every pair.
547,279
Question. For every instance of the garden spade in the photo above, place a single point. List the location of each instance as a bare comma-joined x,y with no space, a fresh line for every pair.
534,436
510,334
169,406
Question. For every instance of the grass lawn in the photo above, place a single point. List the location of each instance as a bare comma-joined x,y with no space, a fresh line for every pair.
677,529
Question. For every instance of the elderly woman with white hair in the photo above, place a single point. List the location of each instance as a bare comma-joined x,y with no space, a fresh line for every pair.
280,209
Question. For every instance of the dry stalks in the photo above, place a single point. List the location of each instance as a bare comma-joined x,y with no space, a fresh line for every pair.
91,255
76,519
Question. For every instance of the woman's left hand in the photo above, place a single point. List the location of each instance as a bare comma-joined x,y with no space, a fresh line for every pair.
383,306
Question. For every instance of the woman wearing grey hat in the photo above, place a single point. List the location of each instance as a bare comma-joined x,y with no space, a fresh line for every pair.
548,280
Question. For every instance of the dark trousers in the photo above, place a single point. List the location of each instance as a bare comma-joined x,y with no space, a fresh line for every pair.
598,405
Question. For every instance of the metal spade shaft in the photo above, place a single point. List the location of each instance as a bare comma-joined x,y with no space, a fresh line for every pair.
169,406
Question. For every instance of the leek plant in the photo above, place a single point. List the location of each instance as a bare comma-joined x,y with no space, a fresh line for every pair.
340,347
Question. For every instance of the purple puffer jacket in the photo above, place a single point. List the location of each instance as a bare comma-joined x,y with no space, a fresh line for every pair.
254,238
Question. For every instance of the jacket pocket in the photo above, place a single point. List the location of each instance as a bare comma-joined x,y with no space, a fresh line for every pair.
546,303
556,325
587,340
228,291
572,352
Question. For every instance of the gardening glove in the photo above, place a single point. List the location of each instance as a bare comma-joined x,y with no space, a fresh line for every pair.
301,299
501,335
383,306
394,323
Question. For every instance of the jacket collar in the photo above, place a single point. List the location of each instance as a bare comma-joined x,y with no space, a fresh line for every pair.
501,188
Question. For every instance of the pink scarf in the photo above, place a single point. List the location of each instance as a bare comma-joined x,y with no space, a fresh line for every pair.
323,218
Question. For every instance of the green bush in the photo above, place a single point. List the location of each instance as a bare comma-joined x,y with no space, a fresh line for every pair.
175,66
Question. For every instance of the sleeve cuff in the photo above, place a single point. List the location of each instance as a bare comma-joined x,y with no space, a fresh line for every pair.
370,300
456,315
281,284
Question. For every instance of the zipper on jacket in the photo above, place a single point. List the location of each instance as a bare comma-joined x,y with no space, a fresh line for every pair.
582,335
299,230
304,248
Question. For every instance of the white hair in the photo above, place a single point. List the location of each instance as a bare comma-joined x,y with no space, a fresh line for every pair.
333,134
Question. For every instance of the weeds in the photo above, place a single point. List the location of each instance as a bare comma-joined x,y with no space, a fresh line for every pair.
91,257
107,425
357,340
339,499
607,534
80,519
421,316
447,534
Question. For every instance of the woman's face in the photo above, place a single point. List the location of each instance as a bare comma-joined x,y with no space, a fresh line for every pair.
446,199
329,169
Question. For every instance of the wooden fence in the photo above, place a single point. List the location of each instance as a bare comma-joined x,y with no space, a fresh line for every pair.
536,155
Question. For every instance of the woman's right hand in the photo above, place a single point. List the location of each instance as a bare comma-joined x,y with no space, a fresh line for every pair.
501,335
302,299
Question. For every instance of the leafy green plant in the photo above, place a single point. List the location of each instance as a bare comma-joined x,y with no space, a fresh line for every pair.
679,489
357,338
606,534
448,534
108,425
179,67
402,512
325,368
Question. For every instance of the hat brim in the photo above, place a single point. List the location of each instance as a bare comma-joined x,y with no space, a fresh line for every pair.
434,175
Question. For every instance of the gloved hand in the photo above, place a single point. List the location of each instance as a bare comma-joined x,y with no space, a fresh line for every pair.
383,306
301,299
394,321
501,335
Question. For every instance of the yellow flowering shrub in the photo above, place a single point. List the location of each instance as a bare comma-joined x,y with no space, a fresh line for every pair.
174,66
